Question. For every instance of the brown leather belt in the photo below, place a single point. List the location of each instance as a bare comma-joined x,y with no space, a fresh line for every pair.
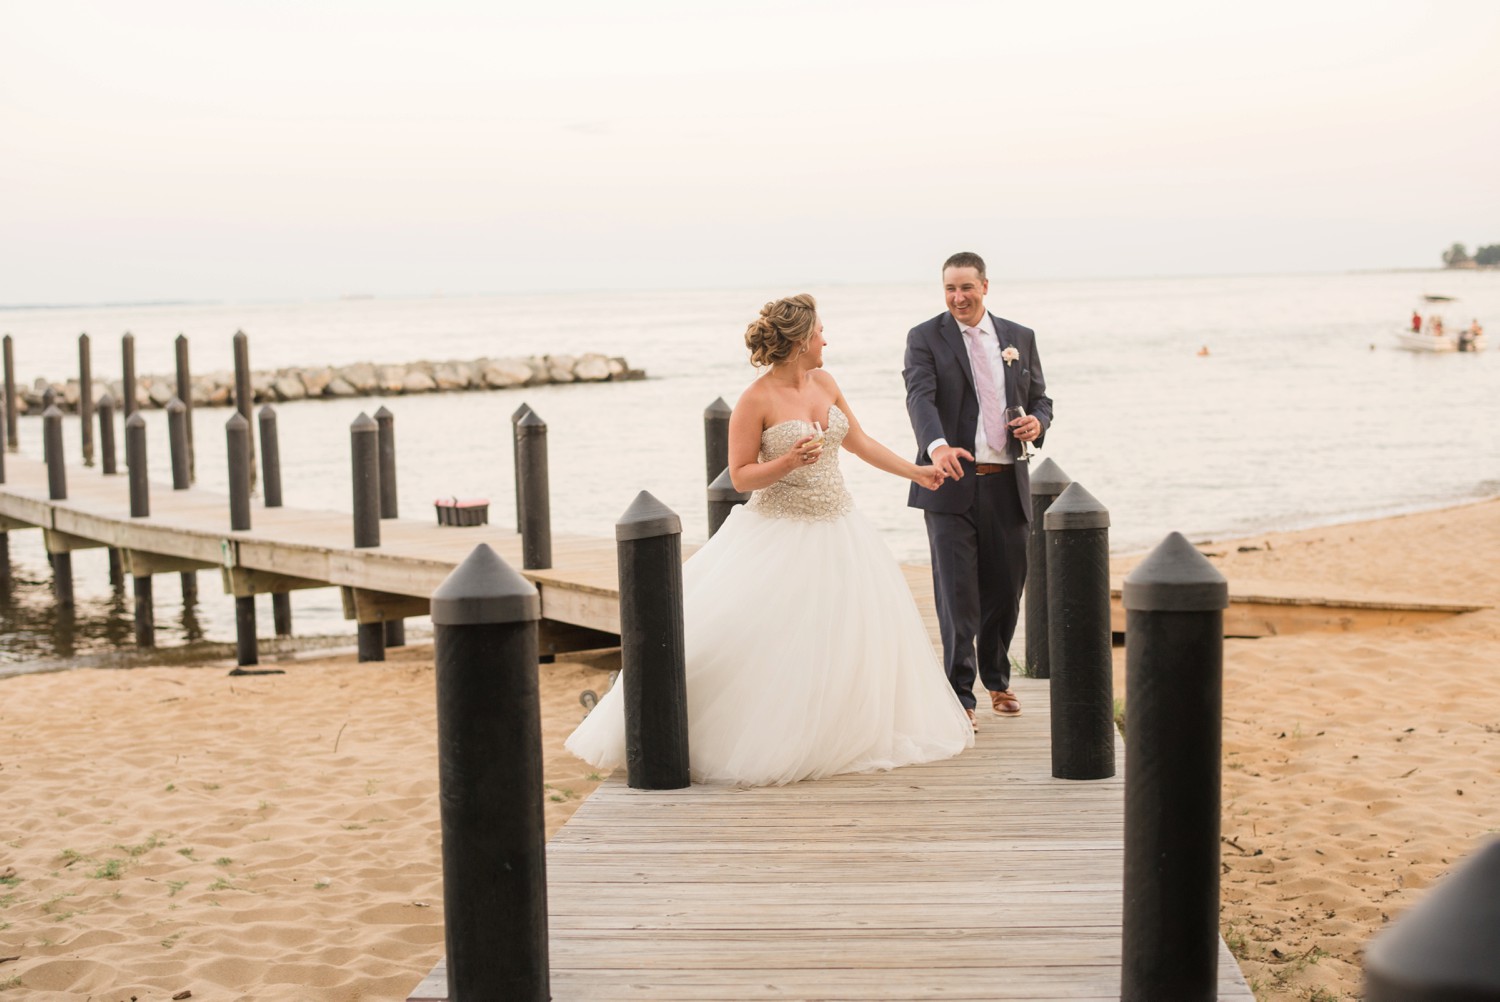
985,469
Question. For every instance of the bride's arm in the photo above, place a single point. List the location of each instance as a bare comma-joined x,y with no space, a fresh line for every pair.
745,424
865,447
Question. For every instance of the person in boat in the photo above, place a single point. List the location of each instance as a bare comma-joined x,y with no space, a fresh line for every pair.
1416,322
1435,326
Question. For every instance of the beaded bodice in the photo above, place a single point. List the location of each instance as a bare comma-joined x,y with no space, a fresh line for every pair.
813,493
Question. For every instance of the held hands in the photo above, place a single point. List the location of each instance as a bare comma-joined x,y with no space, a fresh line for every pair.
929,477
946,459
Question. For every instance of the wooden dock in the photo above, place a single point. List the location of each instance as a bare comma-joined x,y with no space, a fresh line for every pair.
292,548
980,877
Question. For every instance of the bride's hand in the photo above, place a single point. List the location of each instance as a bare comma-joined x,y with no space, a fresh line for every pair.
930,477
805,452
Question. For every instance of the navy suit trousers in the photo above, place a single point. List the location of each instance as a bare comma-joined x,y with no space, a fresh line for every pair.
978,571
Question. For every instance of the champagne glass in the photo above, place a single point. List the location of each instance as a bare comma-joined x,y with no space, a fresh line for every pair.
1011,414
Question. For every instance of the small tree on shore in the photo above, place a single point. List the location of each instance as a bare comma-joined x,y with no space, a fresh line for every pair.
1487,256
1456,255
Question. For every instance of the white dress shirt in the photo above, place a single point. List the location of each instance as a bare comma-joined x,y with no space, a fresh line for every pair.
983,451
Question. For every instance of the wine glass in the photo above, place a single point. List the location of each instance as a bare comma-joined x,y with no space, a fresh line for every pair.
1011,414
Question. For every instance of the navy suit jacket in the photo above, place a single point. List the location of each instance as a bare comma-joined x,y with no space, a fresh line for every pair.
943,403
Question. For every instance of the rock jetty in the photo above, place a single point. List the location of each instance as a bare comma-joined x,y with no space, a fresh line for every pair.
362,379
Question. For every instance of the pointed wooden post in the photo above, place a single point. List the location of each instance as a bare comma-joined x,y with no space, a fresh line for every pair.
1047,482
237,436
723,496
652,645
86,399
536,505
484,618
185,394
140,507
244,395
127,363
1079,638
515,433
181,480
364,449
1174,674
716,437
57,490
12,440
270,461
385,422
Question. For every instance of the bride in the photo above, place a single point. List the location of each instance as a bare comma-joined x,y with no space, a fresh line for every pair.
806,655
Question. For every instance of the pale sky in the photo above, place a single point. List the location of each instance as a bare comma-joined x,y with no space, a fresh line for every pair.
160,149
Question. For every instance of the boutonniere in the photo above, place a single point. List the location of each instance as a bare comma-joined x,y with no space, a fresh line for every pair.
1010,354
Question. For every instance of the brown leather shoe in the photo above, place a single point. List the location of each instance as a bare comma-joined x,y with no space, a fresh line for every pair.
1005,703
972,722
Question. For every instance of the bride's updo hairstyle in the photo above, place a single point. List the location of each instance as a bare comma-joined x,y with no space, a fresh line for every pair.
782,330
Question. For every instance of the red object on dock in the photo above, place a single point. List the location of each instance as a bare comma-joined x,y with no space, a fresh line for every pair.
452,511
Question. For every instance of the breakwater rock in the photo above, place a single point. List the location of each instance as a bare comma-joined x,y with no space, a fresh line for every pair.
362,379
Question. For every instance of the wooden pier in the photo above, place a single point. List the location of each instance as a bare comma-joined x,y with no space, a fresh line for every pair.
291,548
979,877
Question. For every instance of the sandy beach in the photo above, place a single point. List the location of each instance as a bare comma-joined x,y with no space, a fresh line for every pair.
171,830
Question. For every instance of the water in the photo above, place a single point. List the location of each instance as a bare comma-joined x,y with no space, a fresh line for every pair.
1302,414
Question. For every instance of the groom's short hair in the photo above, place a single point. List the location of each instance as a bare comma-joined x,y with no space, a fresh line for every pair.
966,259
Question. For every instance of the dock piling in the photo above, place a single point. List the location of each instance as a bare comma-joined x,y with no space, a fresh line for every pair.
177,443
127,363
270,462
1078,636
57,490
12,407
270,457
86,398
364,451
185,394
722,497
135,465
385,422
515,436
648,546
182,478
484,619
1174,663
107,434
716,437
536,505
140,507
1047,482
237,433
244,394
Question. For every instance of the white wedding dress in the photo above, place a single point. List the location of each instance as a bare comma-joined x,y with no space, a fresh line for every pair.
806,655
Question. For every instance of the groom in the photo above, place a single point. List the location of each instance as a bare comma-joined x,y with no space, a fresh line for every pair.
963,369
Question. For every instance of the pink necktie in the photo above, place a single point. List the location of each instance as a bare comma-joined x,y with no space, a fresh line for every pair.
991,413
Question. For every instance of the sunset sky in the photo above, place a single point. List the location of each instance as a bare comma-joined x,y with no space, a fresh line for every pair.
209,150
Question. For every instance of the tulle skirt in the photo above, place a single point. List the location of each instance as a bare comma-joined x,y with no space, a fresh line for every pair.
806,657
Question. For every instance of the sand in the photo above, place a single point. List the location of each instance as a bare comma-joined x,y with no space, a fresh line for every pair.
1359,766
173,829
274,837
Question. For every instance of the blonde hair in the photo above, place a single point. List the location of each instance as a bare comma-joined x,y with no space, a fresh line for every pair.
781,328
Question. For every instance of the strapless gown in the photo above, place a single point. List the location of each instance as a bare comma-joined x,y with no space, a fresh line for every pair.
806,655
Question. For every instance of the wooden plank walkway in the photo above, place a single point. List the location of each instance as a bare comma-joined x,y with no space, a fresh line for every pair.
980,877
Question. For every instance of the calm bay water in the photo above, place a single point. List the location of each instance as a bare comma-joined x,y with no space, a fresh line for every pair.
1302,414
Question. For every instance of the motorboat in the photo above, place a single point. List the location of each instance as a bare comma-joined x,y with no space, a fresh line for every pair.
1409,340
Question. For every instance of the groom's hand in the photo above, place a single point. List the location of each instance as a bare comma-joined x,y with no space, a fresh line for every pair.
946,458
